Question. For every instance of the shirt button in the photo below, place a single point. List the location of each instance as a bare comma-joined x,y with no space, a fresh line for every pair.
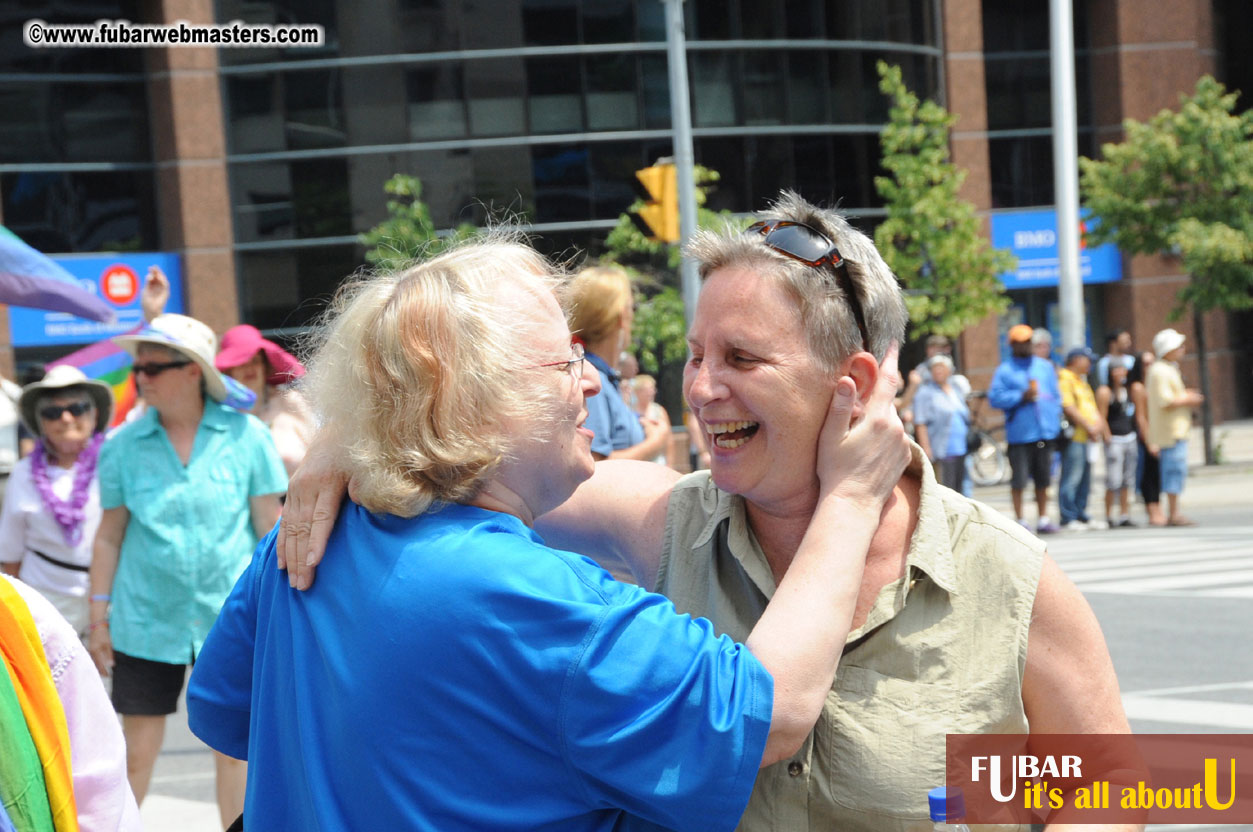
794,768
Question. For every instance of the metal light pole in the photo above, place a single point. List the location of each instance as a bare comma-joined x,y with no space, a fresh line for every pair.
681,123
1066,174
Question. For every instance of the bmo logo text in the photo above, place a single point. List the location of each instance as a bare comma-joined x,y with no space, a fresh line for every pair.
119,284
1043,238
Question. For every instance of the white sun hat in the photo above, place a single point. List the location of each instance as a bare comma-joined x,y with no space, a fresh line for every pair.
186,336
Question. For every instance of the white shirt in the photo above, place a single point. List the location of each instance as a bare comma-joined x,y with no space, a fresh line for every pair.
9,417
26,524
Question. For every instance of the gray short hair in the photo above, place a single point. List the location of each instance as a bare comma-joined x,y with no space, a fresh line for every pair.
830,326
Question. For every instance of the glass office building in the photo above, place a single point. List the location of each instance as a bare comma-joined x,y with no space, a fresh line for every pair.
261,166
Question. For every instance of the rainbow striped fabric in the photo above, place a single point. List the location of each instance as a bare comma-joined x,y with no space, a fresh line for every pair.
28,683
106,361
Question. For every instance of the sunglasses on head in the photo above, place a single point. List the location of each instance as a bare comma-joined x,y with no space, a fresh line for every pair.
813,248
156,368
53,412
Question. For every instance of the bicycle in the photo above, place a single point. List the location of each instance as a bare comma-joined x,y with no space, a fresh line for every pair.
988,463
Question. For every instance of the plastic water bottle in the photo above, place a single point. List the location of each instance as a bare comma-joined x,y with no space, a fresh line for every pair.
948,810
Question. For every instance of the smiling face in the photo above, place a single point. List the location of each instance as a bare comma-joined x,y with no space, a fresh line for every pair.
67,434
551,454
755,388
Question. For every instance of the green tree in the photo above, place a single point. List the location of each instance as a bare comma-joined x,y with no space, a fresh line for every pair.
408,232
931,238
1182,184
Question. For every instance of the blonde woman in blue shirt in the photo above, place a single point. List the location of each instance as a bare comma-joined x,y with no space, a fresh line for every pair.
187,490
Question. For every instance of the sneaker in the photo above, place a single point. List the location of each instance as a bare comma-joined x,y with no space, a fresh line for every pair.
1046,527
1075,526
1099,525
1128,523
1024,524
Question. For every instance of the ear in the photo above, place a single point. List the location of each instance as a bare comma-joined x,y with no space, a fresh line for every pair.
864,371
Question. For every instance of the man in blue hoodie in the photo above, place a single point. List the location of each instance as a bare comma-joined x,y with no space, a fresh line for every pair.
1026,388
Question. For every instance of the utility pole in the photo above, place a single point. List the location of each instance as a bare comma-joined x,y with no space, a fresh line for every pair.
1066,174
684,160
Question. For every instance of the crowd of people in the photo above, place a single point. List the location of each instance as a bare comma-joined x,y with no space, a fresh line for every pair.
798,623
1136,420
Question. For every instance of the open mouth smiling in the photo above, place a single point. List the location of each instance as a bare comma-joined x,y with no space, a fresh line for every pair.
730,435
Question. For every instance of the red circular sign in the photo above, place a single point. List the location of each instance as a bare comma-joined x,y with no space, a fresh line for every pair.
119,284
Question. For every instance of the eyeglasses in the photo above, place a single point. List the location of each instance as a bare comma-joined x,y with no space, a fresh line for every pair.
574,365
53,412
156,368
814,249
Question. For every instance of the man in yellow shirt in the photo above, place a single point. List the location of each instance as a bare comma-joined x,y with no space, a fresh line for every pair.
1170,418
1079,406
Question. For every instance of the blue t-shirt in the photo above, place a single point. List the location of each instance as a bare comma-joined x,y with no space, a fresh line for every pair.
450,672
1027,421
616,426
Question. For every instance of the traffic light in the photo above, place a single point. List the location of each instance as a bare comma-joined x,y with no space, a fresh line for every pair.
660,213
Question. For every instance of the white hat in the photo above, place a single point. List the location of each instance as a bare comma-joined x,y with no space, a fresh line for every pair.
58,380
186,336
1168,340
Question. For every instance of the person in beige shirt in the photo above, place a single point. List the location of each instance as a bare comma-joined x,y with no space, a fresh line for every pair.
1170,419
961,622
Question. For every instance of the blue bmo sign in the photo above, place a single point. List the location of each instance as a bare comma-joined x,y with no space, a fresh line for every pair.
1031,236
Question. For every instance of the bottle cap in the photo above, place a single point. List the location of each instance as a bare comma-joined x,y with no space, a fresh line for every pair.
947,805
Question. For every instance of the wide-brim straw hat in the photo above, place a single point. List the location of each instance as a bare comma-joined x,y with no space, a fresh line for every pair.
58,380
187,337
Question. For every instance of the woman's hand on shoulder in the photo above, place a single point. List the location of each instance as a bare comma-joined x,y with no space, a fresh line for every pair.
314,496
863,449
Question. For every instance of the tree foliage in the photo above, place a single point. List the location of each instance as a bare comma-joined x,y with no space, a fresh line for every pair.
931,238
408,232
1183,183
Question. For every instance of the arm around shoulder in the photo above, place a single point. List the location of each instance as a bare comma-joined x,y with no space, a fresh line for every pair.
618,517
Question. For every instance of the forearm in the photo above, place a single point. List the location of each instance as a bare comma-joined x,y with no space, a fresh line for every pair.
104,559
801,635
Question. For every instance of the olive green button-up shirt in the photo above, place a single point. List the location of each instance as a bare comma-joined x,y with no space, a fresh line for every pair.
942,651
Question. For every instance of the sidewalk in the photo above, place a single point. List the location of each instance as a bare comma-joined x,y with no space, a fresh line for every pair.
1227,484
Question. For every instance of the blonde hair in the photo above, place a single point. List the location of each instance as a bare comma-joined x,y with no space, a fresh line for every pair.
419,373
830,327
599,296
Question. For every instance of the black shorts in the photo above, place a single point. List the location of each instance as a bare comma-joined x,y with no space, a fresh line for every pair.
142,687
1030,459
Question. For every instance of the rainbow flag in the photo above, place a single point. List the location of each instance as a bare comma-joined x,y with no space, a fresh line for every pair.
106,361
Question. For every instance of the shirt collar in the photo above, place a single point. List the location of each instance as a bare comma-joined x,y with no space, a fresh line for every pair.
930,548
214,418
603,366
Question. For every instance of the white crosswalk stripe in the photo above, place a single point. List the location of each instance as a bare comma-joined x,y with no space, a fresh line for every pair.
1212,562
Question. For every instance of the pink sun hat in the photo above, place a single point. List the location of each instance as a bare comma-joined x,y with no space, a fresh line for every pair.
241,343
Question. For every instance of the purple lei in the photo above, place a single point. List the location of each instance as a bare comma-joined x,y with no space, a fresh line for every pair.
69,514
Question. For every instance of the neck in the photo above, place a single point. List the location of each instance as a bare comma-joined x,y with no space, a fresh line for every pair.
62,457
496,496
607,349
182,416
779,533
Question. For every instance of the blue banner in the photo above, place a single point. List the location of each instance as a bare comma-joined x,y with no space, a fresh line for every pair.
1031,236
118,279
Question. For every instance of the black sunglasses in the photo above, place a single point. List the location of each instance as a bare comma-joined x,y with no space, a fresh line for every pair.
156,368
813,248
53,412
